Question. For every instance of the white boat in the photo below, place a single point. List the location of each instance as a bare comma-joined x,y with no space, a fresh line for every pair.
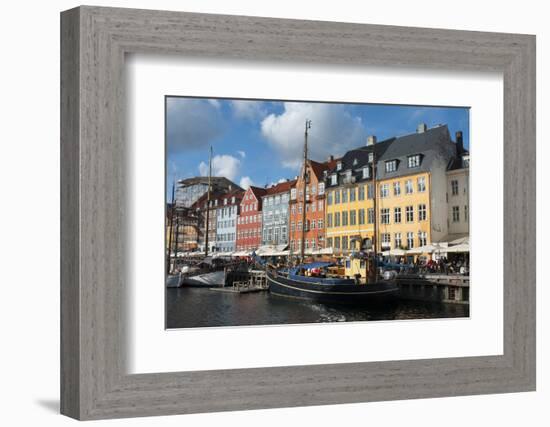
208,279
173,280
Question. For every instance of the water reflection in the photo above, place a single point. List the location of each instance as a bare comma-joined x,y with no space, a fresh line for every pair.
196,307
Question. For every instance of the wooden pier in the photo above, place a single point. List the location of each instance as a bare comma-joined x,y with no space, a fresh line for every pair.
243,282
452,289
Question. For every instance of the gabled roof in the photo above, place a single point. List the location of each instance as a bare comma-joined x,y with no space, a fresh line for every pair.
281,187
257,191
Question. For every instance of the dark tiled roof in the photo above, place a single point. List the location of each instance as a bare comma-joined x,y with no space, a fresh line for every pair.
258,192
433,145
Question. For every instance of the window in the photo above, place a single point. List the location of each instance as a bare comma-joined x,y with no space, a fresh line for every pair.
361,216
313,207
370,216
344,242
384,191
385,216
345,218
293,194
391,165
353,217
386,240
366,172
397,215
300,208
321,187
409,214
320,224
361,195
421,184
339,166
320,206
333,179
337,242
397,240
454,187
371,157
408,186
329,220
337,197
422,212
369,191
422,238
329,242
344,195
410,240
396,188
312,225
352,194
313,189
337,219
413,161
299,226
329,198
456,213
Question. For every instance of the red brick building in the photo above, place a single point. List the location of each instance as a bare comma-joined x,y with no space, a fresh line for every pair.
249,222
314,229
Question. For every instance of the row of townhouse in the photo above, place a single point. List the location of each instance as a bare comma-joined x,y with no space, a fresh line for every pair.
421,187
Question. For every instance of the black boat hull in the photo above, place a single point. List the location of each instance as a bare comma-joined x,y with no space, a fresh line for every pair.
333,293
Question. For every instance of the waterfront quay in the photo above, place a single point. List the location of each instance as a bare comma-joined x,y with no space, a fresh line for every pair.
450,289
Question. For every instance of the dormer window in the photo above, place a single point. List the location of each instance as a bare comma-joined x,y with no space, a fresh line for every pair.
354,162
413,161
333,179
339,166
371,157
366,172
391,165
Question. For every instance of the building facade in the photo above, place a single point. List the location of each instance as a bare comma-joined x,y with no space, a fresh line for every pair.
249,221
458,194
410,187
226,221
275,213
314,227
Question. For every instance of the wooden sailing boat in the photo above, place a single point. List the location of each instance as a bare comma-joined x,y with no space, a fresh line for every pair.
311,281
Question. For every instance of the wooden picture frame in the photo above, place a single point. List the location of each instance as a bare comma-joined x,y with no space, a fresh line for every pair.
94,382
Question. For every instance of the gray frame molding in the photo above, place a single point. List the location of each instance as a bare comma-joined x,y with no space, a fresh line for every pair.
94,42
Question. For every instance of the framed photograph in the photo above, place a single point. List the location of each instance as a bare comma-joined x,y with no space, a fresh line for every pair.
261,213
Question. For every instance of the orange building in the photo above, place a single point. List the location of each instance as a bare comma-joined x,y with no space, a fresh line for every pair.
314,227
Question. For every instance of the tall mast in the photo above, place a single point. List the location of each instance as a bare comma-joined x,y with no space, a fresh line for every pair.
304,179
171,228
208,202
374,208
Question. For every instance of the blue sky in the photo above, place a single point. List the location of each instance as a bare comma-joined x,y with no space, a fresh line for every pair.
261,142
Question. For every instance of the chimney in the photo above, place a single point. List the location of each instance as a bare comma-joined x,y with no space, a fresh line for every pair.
421,128
330,158
459,141
371,140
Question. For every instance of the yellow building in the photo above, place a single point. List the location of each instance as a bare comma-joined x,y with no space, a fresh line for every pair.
411,194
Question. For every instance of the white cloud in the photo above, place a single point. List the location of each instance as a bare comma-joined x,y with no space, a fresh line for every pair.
245,182
333,131
222,165
248,109
241,153
192,123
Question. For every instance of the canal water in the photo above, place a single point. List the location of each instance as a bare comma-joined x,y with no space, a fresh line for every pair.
198,307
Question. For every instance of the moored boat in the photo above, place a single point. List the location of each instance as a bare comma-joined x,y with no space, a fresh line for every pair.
295,282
